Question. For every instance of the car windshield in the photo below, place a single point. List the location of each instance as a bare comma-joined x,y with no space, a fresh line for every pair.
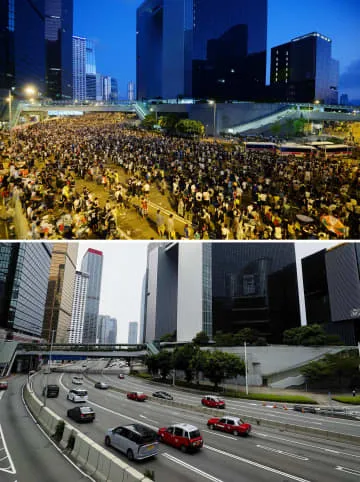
194,434
86,410
81,393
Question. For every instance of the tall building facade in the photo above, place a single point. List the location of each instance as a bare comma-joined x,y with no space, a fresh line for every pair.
131,90
220,287
92,265
79,68
303,70
219,47
106,81
332,290
78,307
107,330
22,44
58,41
24,273
114,94
60,293
90,69
133,332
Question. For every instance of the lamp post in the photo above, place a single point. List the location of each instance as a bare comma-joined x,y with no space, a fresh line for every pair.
49,365
213,103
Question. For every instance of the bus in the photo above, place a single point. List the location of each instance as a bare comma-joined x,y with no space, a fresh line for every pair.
296,150
318,144
333,150
260,146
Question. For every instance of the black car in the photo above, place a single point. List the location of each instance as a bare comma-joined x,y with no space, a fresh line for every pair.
51,391
81,414
305,409
164,395
101,385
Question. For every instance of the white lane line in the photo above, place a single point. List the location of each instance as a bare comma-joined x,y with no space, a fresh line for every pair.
348,471
281,452
1,395
191,467
293,441
147,418
218,434
256,464
11,468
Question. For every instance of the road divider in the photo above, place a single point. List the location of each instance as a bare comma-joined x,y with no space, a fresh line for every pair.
87,454
258,421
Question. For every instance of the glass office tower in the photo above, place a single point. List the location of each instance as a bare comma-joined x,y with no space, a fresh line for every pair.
219,47
24,273
79,68
22,46
58,41
92,265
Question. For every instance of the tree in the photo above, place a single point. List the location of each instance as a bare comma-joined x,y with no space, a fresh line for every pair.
149,121
169,336
309,336
190,127
201,338
275,128
218,365
165,363
183,357
168,122
151,362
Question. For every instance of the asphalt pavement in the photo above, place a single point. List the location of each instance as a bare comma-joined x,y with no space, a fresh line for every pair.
266,455
26,454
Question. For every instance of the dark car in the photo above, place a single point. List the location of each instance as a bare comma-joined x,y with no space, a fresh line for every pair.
305,409
101,385
164,395
81,414
51,391
3,384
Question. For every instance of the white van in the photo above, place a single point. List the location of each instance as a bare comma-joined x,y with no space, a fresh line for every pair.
77,395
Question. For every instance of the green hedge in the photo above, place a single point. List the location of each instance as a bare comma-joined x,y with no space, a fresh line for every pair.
266,397
347,399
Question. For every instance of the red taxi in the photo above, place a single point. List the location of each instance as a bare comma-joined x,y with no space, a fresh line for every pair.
3,384
183,436
138,396
212,402
233,425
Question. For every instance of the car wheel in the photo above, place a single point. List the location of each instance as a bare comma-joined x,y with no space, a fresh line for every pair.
235,432
107,441
211,426
183,449
130,455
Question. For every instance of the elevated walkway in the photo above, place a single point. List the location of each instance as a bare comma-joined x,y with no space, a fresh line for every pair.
152,349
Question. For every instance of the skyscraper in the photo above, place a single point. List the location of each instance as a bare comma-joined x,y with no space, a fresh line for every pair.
114,94
79,68
220,287
303,70
78,308
58,37
131,90
92,265
332,290
22,44
60,293
133,332
106,330
24,272
106,80
90,70
219,47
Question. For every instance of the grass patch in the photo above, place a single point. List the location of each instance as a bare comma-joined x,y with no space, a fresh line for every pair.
347,399
146,376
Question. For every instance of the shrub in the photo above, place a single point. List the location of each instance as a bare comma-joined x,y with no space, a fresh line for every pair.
269,397
59,431
347,399
71,442
150,474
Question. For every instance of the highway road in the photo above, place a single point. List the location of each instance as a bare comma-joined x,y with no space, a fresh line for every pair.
266,456
26,454
243,407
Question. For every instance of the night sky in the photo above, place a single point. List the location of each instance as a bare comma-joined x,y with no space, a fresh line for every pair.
112,25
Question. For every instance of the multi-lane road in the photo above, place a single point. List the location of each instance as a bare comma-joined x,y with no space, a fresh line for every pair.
267,455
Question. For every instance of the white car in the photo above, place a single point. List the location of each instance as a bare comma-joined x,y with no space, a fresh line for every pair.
76,395
77,380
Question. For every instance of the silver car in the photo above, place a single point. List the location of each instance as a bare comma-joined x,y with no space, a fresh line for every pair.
137,441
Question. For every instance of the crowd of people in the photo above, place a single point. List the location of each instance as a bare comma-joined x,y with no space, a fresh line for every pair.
215,189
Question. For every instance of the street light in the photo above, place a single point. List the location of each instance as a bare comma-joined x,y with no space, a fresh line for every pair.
30,91
213,103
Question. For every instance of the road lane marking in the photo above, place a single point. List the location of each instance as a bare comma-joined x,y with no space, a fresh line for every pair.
256,464
281,452
191,467
147,418
218,434
293,441
1,395
348,471
10,469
